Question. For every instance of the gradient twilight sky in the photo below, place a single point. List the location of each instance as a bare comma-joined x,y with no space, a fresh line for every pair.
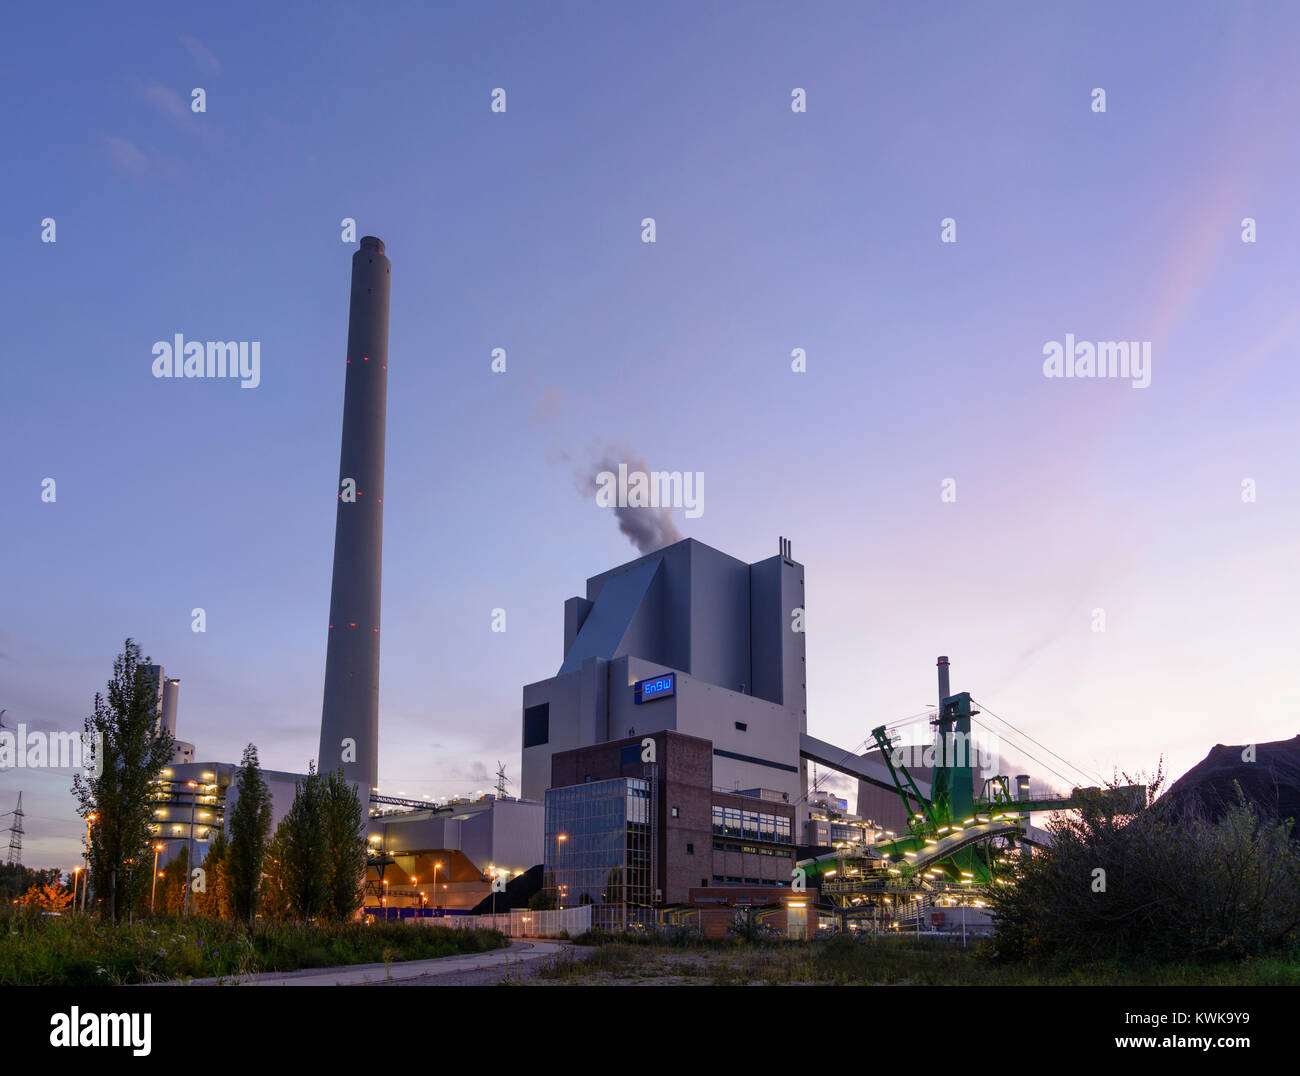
775,231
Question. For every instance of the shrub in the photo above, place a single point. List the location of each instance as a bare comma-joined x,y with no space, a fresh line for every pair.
1176,886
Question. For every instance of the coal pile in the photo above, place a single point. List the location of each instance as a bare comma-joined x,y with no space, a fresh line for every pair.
1271,783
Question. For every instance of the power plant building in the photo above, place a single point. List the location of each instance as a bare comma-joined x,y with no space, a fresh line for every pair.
667,745
628,835
686,639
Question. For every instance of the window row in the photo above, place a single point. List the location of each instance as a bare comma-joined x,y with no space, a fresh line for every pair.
731,879
752,849
734,822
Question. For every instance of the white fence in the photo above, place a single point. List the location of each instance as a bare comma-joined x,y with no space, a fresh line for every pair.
521,923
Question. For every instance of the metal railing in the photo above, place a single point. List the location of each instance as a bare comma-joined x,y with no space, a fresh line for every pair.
521,922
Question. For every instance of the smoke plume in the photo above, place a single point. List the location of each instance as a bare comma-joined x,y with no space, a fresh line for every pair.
648,529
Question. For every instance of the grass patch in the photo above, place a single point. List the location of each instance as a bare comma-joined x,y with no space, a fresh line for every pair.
616,959
898,961
75,950
668,938
886,961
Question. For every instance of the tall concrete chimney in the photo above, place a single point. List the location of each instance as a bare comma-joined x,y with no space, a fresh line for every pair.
170,699
349,727
944,689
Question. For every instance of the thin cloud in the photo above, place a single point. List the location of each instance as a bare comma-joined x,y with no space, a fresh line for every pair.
126,155
208,63
475,773
131,160
168,103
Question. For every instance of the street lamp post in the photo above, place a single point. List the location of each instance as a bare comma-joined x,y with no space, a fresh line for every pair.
90,819
560,838
189,855
435,887
154,892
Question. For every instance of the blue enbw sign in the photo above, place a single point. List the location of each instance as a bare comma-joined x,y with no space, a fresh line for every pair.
657,687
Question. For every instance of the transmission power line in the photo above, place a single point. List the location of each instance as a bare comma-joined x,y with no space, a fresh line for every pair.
1082,772
16,834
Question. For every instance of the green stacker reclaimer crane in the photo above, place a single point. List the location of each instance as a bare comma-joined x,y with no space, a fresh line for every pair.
956,840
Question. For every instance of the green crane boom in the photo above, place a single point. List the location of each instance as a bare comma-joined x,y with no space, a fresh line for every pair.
951,832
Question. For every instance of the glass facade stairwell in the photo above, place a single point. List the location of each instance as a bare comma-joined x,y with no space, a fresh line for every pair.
599,841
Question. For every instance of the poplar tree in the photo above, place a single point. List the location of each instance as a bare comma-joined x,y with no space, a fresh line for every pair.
345,821
305,867
250,833
132,748
217,901
171,886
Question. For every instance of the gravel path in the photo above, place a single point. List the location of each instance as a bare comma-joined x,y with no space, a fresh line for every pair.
522,956
521,968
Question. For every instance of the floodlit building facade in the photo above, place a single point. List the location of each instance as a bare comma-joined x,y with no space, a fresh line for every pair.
636,826
442,859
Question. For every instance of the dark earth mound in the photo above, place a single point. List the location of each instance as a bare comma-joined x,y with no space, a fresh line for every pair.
1271,783
519,890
